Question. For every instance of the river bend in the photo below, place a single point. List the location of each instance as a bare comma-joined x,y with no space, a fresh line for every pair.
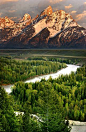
70,68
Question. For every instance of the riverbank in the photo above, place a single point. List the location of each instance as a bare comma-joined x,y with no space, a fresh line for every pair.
77,126
33,77
76,123
70,68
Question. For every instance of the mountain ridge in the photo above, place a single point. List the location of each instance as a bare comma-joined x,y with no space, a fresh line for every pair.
47,30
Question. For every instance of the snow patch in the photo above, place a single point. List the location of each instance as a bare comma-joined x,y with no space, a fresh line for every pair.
40,26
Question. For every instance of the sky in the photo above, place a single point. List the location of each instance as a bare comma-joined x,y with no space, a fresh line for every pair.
15,9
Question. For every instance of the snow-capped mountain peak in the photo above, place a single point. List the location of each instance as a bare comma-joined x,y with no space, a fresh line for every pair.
47,30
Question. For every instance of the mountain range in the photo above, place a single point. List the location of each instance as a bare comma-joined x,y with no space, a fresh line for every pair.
54,30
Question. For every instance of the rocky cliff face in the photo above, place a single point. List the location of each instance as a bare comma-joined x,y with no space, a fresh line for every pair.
72,37
47,30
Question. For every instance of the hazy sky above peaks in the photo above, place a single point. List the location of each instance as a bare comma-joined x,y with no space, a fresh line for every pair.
15,9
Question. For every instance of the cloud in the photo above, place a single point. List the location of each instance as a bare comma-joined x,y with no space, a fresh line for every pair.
9,0
69,6
12,18
73,12
84,3
18,19
81,16
5,1
83,24
55,1
11,11
81,8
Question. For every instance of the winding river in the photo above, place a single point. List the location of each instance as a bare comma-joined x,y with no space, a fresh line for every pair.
70,68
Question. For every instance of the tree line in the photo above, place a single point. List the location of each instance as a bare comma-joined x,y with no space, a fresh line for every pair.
55,59
12,71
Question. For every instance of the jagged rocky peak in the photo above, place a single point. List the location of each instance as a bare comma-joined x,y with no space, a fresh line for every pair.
26,20
59,15
2,22
6,22
35,17
47,30
26,17
48,11
58,21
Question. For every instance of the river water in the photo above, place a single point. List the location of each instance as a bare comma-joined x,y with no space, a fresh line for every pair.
78,129
70,68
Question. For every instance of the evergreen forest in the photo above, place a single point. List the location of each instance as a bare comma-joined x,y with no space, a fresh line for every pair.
46,105
12,70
